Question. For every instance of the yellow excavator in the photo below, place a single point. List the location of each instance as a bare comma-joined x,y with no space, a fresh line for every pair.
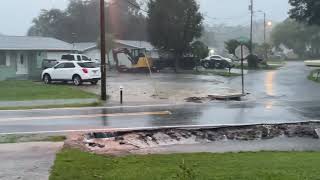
138,58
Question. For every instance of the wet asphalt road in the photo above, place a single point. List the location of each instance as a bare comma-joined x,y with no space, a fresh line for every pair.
276,96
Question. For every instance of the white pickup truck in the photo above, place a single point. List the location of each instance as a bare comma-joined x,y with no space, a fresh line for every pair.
75,57
49,63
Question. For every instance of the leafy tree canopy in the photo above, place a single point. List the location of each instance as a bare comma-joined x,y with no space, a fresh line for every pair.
80,21
305,11
199,50
174,24
303,39
232,45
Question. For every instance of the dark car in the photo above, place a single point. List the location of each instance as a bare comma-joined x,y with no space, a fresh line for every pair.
217,62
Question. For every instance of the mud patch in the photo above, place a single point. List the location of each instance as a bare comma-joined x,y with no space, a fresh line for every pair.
128,142
232,97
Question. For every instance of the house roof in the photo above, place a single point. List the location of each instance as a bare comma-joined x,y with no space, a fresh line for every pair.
136,44
33,43
84,46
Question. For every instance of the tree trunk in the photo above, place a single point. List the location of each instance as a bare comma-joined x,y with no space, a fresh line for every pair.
176,64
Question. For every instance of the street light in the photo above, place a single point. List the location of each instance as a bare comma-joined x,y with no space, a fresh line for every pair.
251,26
265,24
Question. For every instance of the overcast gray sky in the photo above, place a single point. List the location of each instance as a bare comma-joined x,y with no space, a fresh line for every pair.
16,15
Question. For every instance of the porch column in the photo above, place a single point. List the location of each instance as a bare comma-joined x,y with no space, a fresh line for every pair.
8,63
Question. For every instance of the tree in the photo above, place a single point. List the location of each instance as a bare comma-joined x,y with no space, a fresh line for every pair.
81,18
232,45
305,11
173,25
263,50
199,50
49,23
301,38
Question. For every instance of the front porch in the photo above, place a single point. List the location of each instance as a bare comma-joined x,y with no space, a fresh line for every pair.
21,64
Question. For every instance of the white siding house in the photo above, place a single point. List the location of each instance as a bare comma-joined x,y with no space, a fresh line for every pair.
21,56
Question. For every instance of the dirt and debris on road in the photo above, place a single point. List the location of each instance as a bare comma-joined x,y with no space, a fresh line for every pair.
217,97
132,142
162,88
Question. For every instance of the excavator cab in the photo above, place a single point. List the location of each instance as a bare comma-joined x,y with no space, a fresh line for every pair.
137,54
139,60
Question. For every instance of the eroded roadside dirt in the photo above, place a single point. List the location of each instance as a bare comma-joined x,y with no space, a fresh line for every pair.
135,142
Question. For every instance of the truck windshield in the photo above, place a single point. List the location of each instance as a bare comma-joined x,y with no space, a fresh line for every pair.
88,65
85,58
67,57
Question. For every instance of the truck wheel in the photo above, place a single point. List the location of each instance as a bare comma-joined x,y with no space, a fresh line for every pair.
47,79
206,64
94,82
77,80
221,65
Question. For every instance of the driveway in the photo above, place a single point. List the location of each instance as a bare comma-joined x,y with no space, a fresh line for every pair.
27,161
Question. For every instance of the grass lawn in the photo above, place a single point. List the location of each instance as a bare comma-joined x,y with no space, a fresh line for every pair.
94,104
312,78
28,90
76,165
6,139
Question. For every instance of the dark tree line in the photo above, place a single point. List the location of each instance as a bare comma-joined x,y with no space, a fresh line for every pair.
173,25
80,21
307,11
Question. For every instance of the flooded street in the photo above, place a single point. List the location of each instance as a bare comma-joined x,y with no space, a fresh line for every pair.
283,95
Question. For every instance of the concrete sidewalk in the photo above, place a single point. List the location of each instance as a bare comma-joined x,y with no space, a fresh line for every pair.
27,161
45,102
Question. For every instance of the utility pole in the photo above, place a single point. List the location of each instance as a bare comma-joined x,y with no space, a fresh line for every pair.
251,28
264,34
103,52
265,27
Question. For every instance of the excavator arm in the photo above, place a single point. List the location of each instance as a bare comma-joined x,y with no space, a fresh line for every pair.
139,61
116,52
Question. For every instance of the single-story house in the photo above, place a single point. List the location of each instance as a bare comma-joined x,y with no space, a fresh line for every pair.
21,56
91,50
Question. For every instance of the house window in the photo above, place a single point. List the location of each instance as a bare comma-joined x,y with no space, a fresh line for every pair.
3,60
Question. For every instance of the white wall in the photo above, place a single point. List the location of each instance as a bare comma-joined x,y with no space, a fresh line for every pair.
8,63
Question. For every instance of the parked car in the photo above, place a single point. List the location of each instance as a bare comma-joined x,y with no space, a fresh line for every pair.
75,71
217,62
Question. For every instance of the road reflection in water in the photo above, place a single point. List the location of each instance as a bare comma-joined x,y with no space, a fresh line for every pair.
269,83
